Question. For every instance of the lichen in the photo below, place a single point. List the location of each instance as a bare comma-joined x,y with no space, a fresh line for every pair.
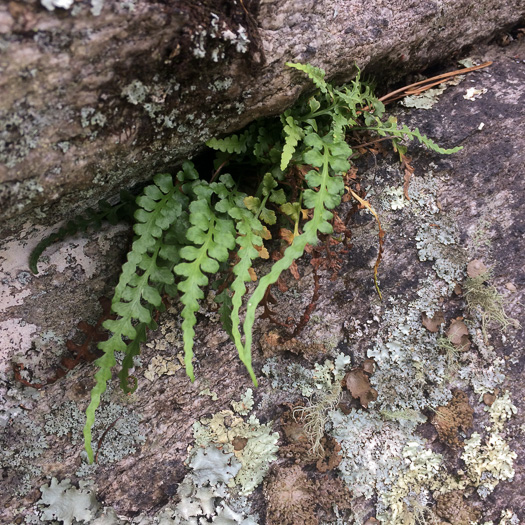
119,426
21,441
490,460
371,449
244,406
484,300
160,366
253,444
61,501
406,500
411,371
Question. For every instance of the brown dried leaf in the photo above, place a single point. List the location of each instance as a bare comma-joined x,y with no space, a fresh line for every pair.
295,271
252,273
489,399
476,268
456,331
287,235
432,324
369,366
263,252
265,233
358,385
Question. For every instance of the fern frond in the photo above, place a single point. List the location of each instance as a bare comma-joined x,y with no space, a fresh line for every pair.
248,239
327,196
232,144
212,237
389,128
316,75
90,219
131,308
158,207
293,134
137,292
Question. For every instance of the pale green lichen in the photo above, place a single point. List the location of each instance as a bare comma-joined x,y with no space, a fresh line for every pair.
394,198
119,425
245,405
437,241
162,366
411,371
490,460
61,501
294,377
135,92
21,442
253,444
208,392
371,448
314,416
406,501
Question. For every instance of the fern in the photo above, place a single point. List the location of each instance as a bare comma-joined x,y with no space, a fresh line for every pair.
186,230
316,75
212,238
136,295
232,144
293,134
91,219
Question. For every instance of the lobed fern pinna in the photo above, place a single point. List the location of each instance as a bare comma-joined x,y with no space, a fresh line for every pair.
187,228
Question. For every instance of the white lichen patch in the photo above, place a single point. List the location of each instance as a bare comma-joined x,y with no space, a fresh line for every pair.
252,443
394,198
61,501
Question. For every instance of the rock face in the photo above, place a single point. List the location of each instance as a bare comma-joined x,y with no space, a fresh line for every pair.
462,207
100,95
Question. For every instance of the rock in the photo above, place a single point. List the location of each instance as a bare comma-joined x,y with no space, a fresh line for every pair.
103,96
481,191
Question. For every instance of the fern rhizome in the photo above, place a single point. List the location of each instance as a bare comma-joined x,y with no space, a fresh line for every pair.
187,228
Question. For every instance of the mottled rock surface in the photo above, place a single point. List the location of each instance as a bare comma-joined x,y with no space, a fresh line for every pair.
463,207
100,95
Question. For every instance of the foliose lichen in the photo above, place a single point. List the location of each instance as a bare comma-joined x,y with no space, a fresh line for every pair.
61,501
253,444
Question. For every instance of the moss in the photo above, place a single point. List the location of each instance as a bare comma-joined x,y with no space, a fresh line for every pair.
450,419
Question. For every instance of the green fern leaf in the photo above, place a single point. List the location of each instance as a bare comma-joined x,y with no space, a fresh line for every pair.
316,74
248,239
232,144
91,219
293,134
319,201
212,238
